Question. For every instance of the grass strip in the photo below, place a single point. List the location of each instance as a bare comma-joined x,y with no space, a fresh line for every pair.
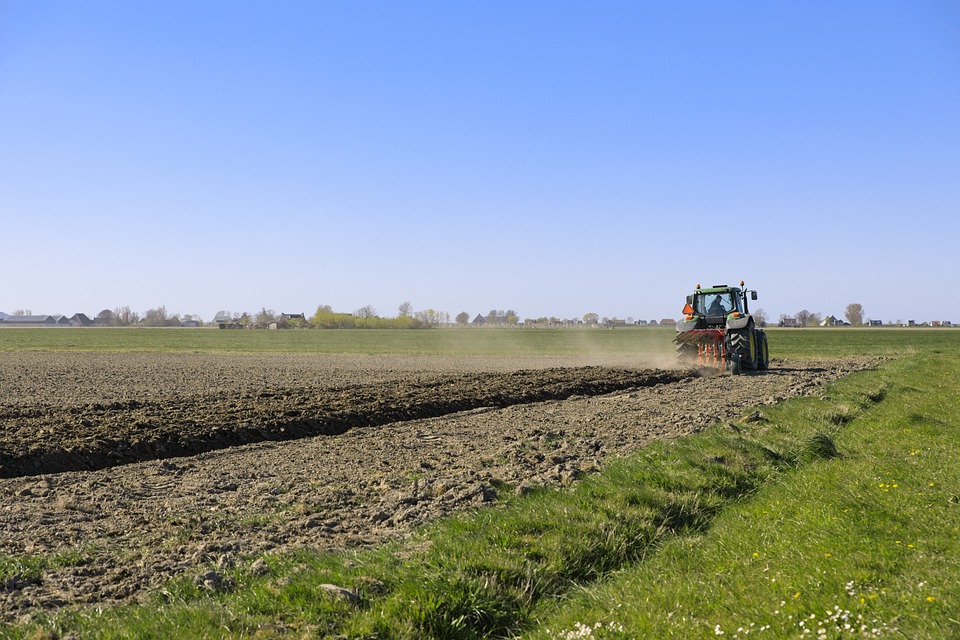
815,507
861,543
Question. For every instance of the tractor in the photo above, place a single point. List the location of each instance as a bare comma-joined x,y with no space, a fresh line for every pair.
718,330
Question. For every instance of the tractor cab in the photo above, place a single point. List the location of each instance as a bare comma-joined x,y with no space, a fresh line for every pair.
713,305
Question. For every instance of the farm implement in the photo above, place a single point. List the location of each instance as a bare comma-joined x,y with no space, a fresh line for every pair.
718,331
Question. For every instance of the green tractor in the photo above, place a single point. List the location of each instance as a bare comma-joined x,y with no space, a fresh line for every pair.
718,330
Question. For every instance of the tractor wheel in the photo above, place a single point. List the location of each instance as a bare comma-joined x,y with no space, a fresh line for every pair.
763,352
687,354
744,344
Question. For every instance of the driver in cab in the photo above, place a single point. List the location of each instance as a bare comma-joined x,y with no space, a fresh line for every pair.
717,307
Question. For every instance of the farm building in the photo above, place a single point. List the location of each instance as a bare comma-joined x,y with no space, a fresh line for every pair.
80,320
37,321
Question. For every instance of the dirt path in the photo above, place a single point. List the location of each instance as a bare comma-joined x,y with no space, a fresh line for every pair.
344,451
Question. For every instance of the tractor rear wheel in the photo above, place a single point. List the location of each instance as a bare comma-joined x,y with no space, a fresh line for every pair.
743,344
763,352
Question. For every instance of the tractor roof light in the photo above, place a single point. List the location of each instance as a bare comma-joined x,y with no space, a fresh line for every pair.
698,285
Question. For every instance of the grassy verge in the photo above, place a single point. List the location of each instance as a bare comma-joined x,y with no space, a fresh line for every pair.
840,509
863,542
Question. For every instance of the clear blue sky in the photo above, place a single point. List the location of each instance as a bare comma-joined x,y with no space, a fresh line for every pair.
554,158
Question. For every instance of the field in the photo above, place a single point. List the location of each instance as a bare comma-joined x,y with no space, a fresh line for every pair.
130,458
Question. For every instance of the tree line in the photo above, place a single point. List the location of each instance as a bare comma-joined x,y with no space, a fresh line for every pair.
323,318
407,318
803,318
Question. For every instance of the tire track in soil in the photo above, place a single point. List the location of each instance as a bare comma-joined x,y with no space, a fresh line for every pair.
94,436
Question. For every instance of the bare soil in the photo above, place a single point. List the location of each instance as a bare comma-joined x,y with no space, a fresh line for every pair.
135,468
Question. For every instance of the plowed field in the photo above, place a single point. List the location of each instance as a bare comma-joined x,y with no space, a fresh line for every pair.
123,470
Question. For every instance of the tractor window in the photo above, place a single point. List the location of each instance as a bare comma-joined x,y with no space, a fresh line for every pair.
715,304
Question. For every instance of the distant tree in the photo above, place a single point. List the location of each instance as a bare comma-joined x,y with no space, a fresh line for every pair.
156,317
123,317
591,318
814,319
105,318
296,323
429,318
326,318
366,312
264,318
493,317
406,310
854,313
803,317
23,312
511,317
760,317
463,317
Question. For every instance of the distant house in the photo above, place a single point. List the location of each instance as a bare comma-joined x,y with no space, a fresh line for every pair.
876,323
224,321
479,320
668,322
3,316
833,321
787,322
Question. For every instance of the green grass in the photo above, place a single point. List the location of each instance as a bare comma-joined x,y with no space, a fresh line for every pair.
840,508
469,341
869,536
849,341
